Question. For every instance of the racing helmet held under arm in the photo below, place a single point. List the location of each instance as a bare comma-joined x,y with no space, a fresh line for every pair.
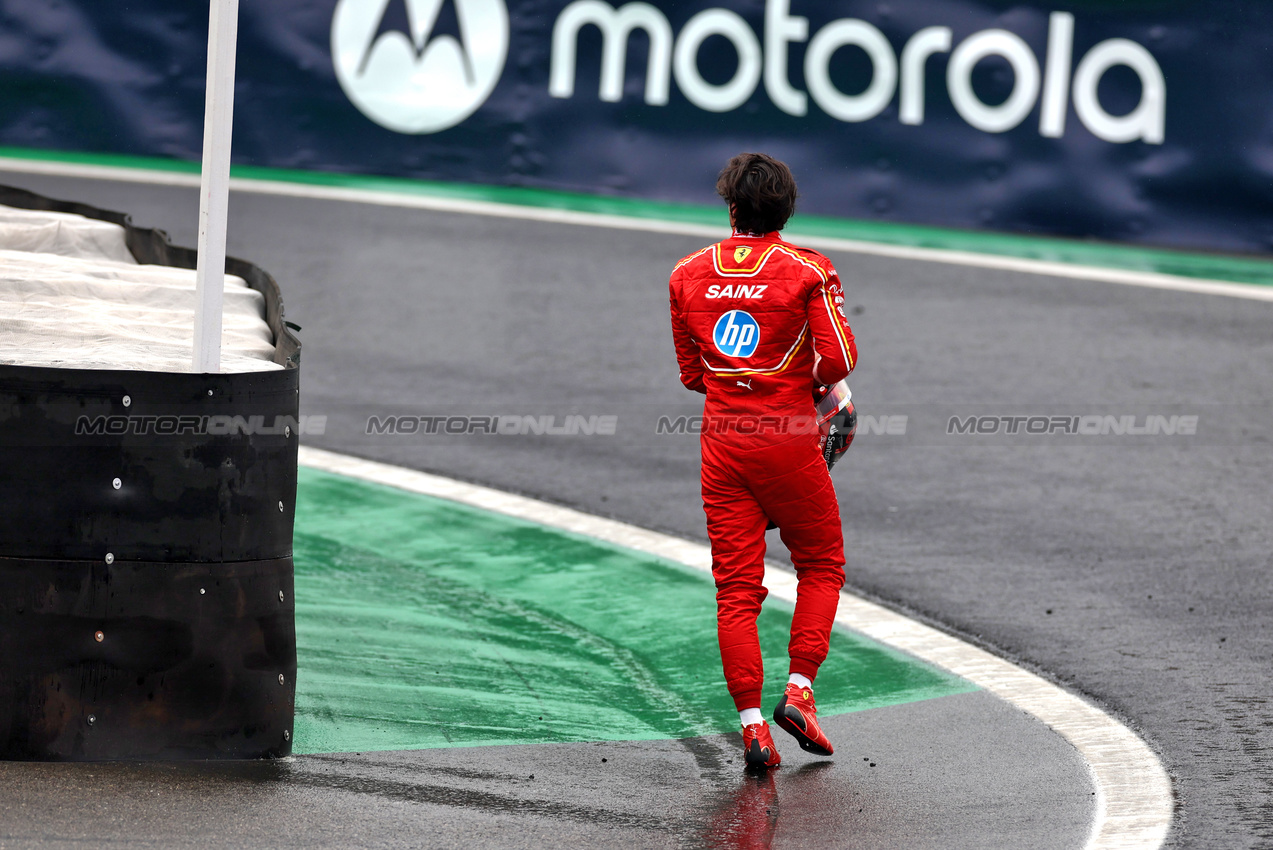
837,420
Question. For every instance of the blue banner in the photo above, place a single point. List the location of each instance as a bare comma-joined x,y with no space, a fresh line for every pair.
1138,121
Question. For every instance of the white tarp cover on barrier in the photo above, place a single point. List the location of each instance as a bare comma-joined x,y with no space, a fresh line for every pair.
72,296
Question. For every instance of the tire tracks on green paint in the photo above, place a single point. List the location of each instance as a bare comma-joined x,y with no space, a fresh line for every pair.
424,623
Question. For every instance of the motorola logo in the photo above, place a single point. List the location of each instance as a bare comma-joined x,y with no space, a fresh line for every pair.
762,59
419,66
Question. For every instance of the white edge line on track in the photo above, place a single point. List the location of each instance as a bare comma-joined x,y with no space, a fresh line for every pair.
1154,280
1133,793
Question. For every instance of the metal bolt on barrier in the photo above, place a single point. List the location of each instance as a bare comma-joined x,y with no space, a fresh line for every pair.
202,591
110,557
128,401
116,483
287,430
209,392
280,596
280,507
92,718
99,636
287,735
281,679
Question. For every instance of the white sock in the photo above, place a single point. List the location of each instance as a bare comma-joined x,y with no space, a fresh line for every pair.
751,715
802,681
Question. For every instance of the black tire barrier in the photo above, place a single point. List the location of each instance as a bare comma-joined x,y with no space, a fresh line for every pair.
146,605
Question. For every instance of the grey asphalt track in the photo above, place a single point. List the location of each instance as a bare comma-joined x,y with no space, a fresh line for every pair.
633,794
1134,570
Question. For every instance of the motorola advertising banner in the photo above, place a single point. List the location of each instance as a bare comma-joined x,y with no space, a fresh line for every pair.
1141,120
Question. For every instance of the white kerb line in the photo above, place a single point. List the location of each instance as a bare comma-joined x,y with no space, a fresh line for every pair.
214,191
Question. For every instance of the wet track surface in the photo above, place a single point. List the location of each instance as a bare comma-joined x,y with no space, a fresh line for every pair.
687,793
1133,570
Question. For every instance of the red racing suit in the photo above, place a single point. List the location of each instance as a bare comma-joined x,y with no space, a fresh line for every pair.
750,318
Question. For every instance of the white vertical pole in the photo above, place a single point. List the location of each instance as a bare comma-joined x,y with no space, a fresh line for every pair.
214,193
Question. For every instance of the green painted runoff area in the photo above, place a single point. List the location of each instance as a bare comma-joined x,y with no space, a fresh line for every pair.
1225,267
426,623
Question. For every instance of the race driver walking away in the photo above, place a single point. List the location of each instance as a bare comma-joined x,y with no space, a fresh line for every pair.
759,325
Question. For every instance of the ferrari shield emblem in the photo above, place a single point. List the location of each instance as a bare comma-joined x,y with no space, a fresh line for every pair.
740,254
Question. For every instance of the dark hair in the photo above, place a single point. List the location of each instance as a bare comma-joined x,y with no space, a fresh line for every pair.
760,191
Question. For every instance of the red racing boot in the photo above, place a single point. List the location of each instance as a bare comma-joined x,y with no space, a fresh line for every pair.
797,714
758,747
